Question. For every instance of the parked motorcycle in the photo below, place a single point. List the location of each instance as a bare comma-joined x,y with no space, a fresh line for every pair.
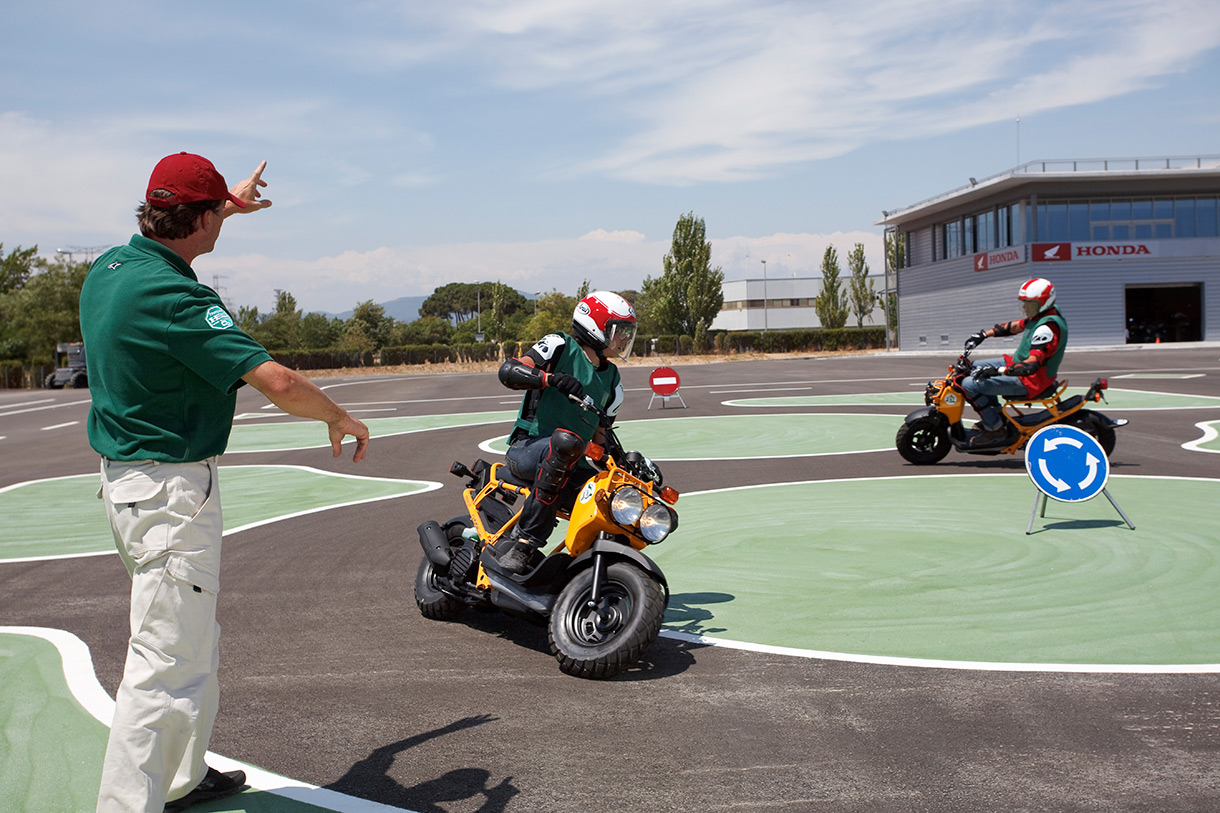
602,598
929,434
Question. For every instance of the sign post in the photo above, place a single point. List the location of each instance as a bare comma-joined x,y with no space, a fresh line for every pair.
664,382
1069,465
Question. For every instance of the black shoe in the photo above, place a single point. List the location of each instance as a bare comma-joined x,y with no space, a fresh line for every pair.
517,560
215,785
989,437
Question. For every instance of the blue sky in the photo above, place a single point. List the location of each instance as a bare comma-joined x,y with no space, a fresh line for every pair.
545,142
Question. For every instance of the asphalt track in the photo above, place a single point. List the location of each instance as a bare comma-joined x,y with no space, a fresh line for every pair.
952,696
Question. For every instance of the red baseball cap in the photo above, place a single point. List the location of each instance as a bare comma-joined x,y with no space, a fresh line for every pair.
190,178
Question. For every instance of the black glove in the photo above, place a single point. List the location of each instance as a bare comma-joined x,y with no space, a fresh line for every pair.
975,339
985,372
566,384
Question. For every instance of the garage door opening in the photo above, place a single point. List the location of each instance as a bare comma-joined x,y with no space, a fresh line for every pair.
1164,313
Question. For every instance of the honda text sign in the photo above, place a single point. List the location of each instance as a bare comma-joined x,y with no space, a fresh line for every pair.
1001,257
1065,252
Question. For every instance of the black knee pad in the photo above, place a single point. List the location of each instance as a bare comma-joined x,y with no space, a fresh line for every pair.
566,449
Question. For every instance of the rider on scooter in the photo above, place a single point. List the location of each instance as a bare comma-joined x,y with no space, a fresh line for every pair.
548,443
1029,372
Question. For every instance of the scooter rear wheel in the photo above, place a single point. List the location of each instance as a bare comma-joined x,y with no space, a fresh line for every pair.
433,602
599,642
923,442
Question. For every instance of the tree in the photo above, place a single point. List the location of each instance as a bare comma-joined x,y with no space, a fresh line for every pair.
554,316
318,332
862,291
369,326
15,269
281,330
425,330
688,294
895,258
830,305
44,311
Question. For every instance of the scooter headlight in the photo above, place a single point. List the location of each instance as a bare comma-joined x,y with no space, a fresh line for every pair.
626,506
656,522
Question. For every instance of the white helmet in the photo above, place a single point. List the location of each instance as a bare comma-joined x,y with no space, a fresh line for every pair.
1039,294
602,320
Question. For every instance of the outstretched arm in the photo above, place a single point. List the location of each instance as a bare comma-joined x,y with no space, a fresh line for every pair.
297,395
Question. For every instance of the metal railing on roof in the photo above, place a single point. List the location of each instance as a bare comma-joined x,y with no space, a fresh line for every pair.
1069,165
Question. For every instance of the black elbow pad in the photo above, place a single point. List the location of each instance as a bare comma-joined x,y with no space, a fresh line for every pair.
517,376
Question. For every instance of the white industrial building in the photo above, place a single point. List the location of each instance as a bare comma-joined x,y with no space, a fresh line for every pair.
1132,246
785,303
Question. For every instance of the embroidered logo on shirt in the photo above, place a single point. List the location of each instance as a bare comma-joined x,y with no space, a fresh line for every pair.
218,319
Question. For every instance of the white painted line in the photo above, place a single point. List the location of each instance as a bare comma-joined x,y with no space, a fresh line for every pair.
59,426
1209,434
774,389
28,403
42,408
931,663
83,683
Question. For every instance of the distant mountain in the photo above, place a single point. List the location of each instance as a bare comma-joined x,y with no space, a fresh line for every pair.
404,309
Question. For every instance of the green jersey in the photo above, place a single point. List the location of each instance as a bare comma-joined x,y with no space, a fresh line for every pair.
165,358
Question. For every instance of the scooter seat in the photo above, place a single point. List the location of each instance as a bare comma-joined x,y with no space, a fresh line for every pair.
1040,396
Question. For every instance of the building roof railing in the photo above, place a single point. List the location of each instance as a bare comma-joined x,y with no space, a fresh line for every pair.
1068,166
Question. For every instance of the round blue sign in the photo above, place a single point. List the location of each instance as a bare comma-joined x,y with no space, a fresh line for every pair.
1066,463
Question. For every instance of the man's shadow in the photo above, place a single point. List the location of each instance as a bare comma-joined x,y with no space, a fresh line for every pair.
370,778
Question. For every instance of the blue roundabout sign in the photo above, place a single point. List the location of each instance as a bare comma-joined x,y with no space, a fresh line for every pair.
1066,463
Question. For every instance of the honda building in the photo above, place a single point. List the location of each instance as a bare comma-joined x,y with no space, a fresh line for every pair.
1131,245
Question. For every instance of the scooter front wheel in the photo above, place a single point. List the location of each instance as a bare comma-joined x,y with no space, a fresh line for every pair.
600,640
923,442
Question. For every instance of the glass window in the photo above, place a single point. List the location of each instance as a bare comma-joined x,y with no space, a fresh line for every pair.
1078,221
1205,217
985,228
1184,217
1143,231
1056,221
968,234
1162,231
1099,210
1162,210
1003,227
1017,231
1101,233
1120,231
1120,210
953,239
1141,210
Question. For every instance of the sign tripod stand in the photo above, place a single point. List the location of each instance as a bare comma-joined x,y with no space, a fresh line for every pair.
1068,465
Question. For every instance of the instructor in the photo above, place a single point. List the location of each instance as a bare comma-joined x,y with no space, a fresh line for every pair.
165,363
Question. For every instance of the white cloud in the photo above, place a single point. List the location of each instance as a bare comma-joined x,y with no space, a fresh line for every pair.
617,260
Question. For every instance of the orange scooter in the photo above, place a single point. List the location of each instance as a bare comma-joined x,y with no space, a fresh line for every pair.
929,434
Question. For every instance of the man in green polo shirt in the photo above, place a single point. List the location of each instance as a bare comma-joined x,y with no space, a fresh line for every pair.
165,364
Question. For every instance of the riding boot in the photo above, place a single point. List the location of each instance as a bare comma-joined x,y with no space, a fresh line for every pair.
517,560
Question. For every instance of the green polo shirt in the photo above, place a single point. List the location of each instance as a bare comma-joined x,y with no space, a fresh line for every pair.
165,359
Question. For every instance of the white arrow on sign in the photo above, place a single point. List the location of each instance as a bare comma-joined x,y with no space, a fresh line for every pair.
1054,443
1058,484
1092,462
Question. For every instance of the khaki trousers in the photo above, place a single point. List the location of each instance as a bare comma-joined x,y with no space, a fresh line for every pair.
167,526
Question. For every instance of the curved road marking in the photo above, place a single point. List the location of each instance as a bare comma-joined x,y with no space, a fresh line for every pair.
82,681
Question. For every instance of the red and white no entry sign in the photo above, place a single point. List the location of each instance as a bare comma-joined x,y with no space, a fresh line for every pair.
664,382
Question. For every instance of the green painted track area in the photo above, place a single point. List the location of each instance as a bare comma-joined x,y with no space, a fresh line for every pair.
1116,400
52,749
890,567
63,516
285,435
51,752
745,437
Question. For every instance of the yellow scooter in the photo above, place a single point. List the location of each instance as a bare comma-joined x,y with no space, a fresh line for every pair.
602,598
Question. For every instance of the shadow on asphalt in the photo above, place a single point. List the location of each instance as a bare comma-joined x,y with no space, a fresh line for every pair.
369,778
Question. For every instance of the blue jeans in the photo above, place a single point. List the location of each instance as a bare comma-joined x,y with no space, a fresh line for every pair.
524,459
984,393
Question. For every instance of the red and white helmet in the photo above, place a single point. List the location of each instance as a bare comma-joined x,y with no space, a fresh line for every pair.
602,320
1039,292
